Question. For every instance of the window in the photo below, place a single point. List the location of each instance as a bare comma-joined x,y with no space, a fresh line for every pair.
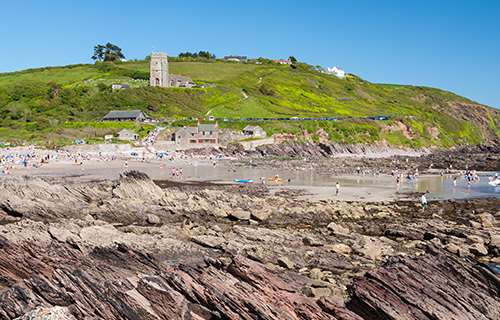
200,140
192,141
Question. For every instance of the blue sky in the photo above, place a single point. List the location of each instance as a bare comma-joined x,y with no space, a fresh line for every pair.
450,45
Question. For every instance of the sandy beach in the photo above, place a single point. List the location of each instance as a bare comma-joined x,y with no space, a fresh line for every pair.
94,165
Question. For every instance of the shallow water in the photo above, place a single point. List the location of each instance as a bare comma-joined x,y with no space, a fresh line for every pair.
437,187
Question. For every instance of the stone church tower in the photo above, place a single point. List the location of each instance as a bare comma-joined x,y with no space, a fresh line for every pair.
159,76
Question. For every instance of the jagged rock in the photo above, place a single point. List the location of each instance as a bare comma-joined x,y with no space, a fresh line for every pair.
425,288
478,249
208,241
486,219
260,215
340,248
337,228
285,263
54,313
240,215
309,241
372,248
153,219
316,273
316,293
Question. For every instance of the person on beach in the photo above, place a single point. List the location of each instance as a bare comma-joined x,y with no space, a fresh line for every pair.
337,187
173,173
423,199
358,169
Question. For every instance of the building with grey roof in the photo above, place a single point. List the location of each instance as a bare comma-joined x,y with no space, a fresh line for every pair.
202,135
126,115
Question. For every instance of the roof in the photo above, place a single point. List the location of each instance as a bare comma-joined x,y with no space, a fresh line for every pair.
124,114
181,78
200,128
250,128
187,129
207,127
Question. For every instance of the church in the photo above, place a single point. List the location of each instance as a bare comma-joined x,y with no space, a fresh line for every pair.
159,76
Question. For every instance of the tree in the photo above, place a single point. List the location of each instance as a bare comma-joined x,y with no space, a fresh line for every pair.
109,52
292,59
98,53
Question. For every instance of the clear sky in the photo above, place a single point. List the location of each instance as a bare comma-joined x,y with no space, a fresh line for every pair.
450,45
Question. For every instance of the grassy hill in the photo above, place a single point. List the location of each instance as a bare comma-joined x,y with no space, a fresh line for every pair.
63,103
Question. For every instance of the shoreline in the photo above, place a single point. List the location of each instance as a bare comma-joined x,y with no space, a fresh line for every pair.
309,179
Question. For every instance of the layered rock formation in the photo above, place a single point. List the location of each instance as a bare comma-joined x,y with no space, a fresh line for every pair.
138,249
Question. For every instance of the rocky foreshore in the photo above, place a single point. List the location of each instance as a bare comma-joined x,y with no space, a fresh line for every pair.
135,248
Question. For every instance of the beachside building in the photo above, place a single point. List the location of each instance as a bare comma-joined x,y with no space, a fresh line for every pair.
126,115
193,137
159,76
254,131
127,135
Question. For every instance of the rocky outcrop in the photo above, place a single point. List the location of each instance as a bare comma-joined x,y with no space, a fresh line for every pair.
433,286
218,289
142,249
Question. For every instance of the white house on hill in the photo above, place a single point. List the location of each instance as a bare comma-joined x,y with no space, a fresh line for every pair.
336,71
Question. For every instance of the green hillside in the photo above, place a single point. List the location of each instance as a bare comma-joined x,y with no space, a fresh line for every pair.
64,103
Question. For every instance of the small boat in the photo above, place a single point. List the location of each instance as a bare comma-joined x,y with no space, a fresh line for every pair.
495,183
45,161
275,179
243,181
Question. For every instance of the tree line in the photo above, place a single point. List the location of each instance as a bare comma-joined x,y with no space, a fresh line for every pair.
201,54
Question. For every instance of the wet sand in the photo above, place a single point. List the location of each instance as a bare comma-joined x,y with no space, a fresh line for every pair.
313,185
371,188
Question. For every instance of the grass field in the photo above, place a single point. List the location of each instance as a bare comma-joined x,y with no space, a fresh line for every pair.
40,103
63,76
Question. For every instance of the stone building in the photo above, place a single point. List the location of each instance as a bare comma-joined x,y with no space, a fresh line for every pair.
159,76
196,137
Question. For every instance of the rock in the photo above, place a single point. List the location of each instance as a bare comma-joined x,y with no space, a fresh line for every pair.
208,241
478,249
260,215
372,248
475,224
187,224
285,263
54,313
316,293
337,228
309,241
240,215
411,288
340,248
152,219
316,273
91,288
486,219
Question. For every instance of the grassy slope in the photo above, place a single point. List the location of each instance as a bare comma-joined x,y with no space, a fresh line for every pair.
420,116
